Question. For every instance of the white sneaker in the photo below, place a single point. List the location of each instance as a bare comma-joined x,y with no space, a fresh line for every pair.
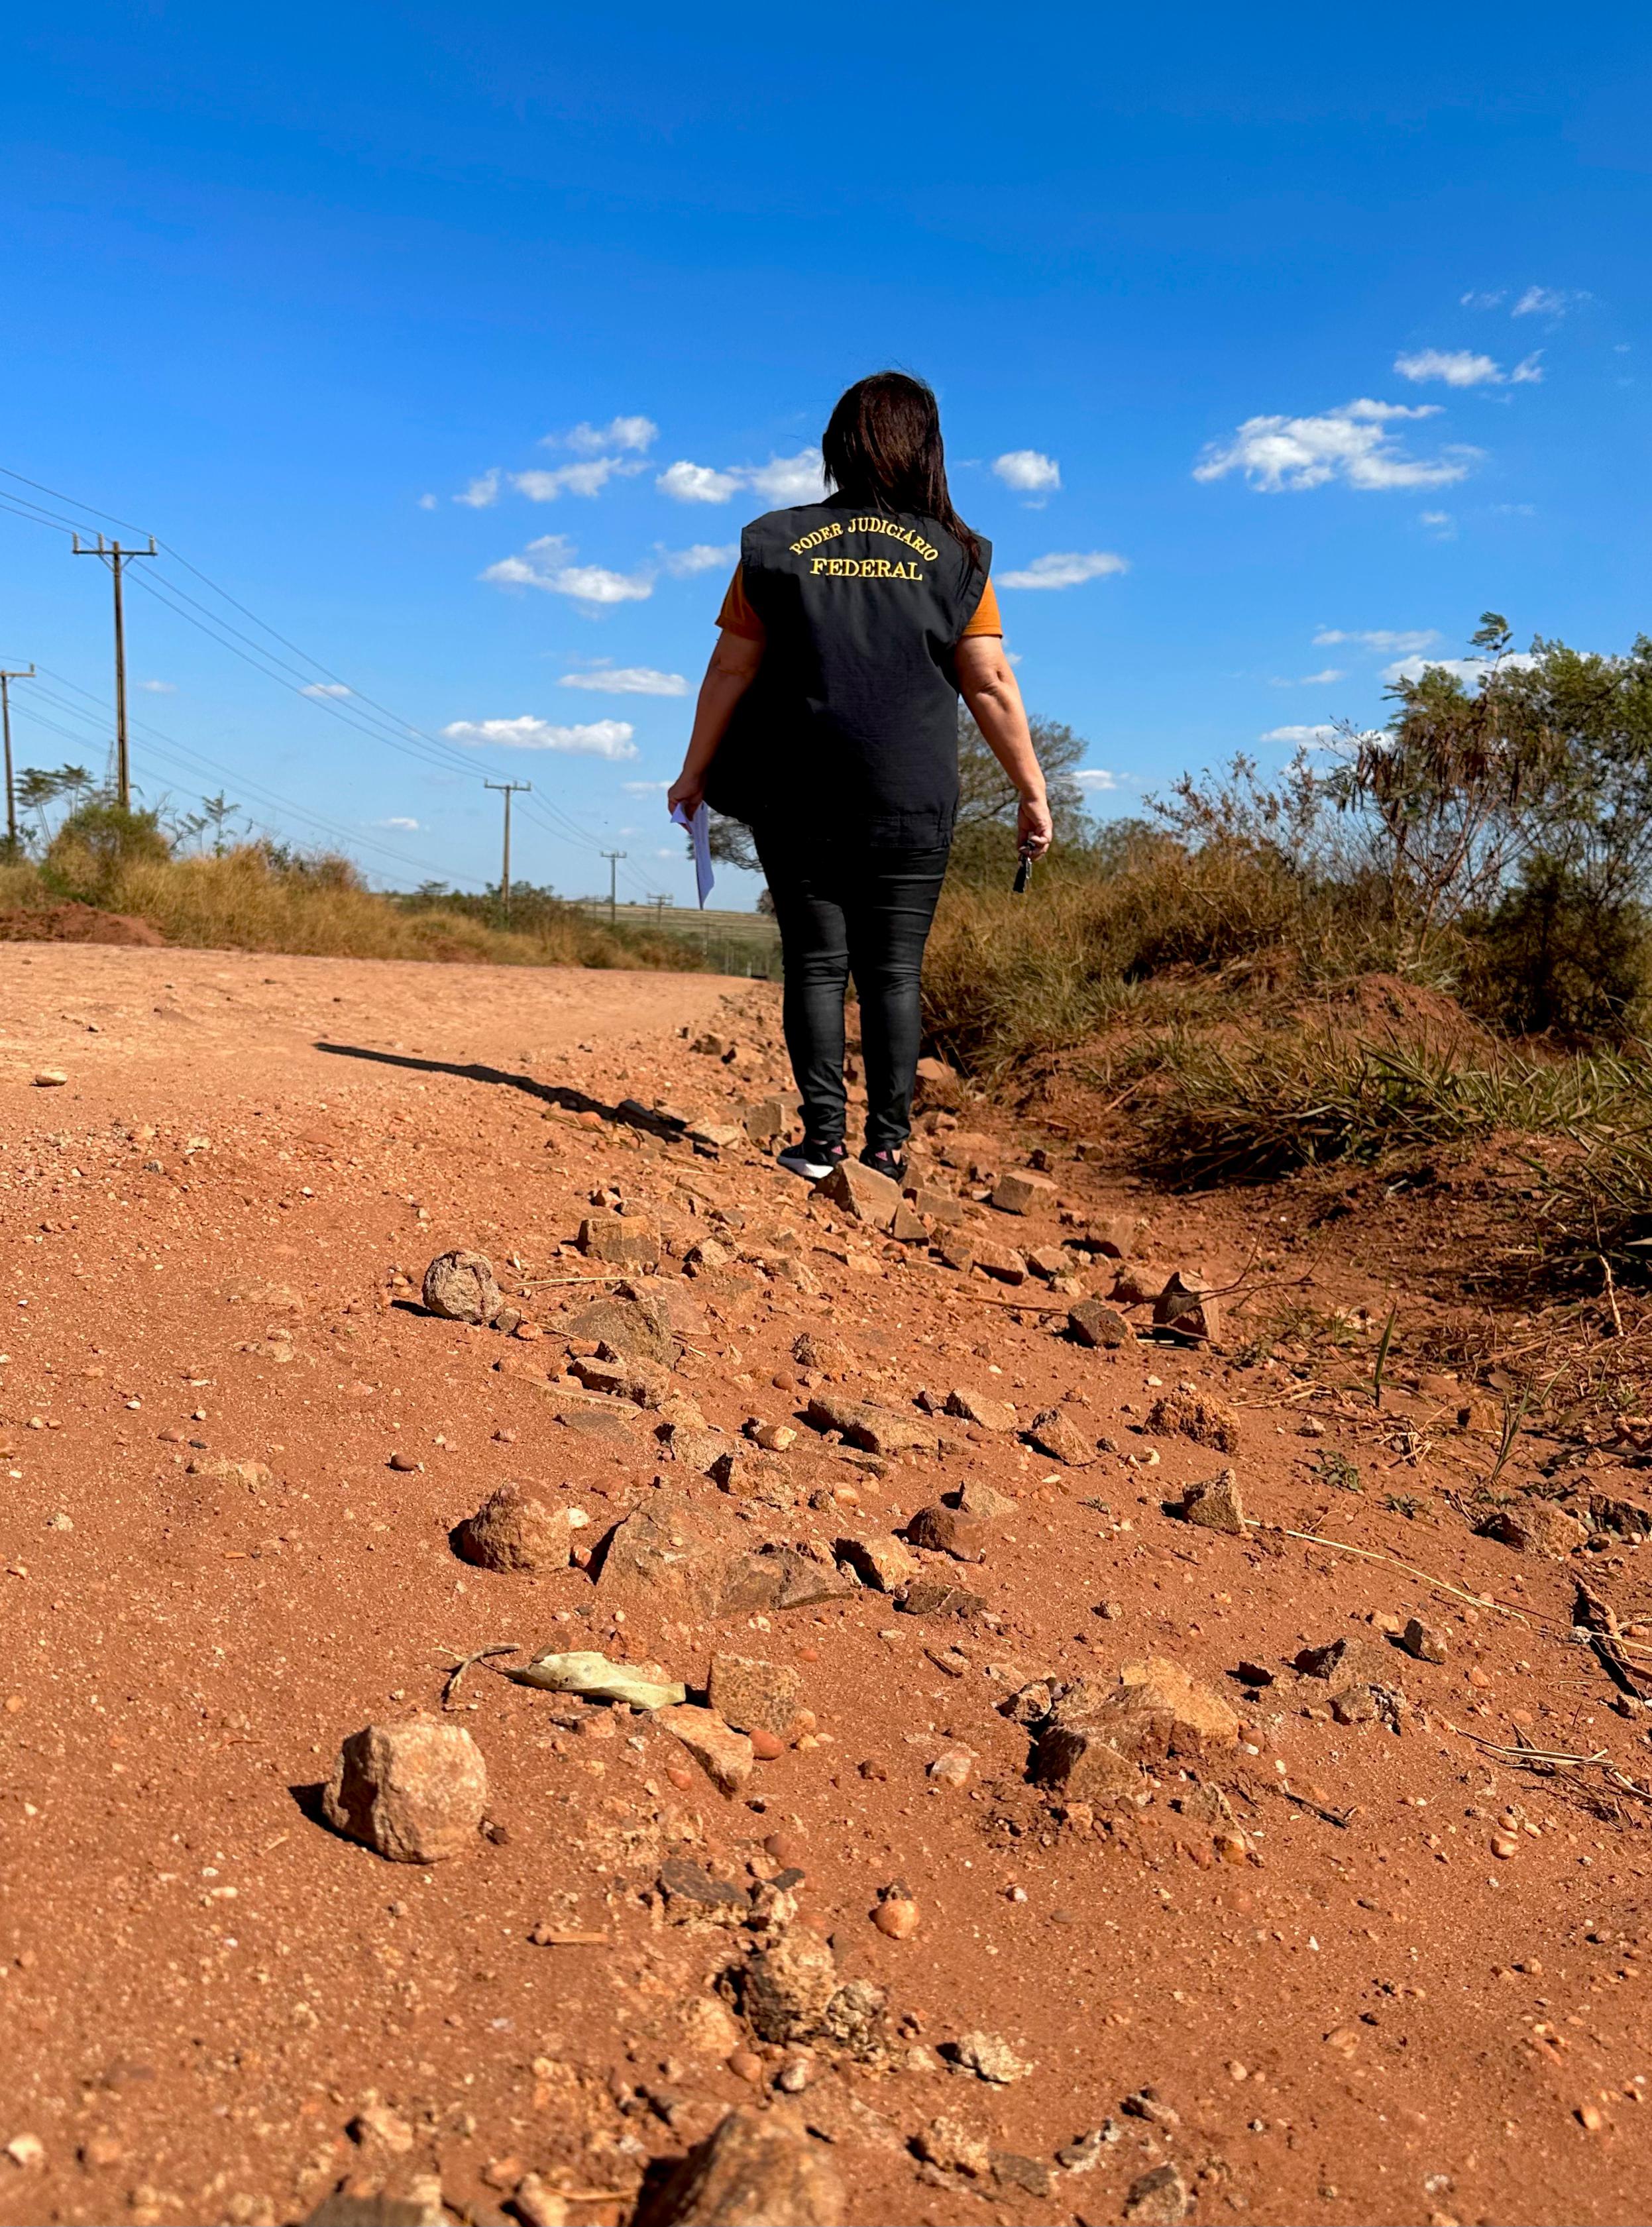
811,1159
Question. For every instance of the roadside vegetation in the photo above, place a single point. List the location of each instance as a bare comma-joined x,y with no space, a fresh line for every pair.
243,892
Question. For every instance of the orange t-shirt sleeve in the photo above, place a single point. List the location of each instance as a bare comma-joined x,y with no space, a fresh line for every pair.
984,618
737,616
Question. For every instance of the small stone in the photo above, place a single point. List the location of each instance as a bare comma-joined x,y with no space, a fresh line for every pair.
908,1228
755,1696
1053,1431
878,1430
407,1463
514,1530
48,1078
935,1597
28,2152
758,2169
1589,2118
1617,1511
766,1121
1115,1235
1093,1322
1215,1505
1147,2103
460,1287
1424,1641
947,2142
862,1193
897,1915
939,1208
937,1087
1190,1414
746,2065
949,1531
1138,1283
975,1497
1030,2175
535,2203
1504,1845
639,1329
623,1240
1020,1191
379,2124
1536,1526
1189,1309
786,1990
722,1754
955,1768
989,2056
880,1561
414,1792
1158,2198
977,1407
767,1747
1002,1262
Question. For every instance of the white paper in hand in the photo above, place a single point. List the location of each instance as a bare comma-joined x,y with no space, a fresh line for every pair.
699,830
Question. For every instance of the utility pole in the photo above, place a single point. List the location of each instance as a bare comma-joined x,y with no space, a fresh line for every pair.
507,789
115,557
613,858
660,903
17,673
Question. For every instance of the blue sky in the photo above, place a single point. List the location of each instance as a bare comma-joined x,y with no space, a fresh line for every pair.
457,345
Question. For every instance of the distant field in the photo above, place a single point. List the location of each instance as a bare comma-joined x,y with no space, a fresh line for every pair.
730,942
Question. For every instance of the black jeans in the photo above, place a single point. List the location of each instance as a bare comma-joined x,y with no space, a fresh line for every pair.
843,908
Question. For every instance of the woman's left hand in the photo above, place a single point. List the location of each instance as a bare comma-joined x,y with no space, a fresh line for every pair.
1033,828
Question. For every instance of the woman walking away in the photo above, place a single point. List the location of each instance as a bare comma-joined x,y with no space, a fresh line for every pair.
828,722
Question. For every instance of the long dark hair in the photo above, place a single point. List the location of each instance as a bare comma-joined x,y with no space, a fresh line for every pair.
882,447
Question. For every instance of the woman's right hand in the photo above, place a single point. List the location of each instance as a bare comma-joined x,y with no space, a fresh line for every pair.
688,791
1035,830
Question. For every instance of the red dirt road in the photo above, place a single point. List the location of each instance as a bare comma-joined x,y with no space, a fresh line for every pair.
1390,1979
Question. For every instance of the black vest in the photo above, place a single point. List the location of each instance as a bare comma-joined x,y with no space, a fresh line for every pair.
850,726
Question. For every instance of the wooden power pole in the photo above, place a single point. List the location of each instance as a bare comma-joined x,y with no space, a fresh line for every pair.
507,789
613,858
116,557
17,673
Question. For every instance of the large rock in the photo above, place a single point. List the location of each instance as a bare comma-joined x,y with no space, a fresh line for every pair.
1080,1762
1138,1283
645,1383
754,1696
1187,1413
1094,1324
624,1240
1188,1308
980,1409
785,1991
757,2169
1020,1191
1001,1262
949,1531
515,1530
1215,1505
414,1792
641,1329
1157,1710
666,1553
1535,1526
862,1193
1053,1431
1115,1235
722,1754
879,1561
863,1423
460,1287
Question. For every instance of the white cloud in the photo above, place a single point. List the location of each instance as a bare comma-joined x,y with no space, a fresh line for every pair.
398,820
782,480
638,433
699,557
629,680
601,739
543,564
1065,569
1351,443
1440,523
328,688
1470,670
1029,471
687,482
1546,302
1380,638
1304,739
1095,777
587,478
645,788
1457,367
428,502
1311,679
159,687
1483,301
1463,367
482,492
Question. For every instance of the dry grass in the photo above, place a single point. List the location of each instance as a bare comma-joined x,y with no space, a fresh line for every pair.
246,901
